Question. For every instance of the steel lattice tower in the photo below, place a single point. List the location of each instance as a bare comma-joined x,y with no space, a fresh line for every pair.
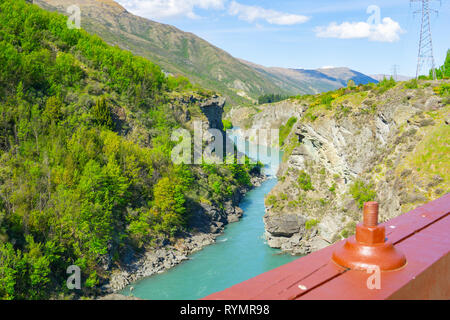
425,57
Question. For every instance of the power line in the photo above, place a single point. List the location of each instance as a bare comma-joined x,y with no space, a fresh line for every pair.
425,56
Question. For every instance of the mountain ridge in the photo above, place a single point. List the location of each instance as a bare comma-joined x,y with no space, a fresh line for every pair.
316,80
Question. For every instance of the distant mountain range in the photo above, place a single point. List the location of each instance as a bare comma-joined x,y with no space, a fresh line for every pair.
182,53
311,81
380,77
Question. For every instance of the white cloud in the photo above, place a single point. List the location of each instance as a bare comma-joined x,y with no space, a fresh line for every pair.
386,31
160,9
157,9
253,13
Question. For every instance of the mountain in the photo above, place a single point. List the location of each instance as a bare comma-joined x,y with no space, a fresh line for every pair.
311,81
183,53
177,52
343,75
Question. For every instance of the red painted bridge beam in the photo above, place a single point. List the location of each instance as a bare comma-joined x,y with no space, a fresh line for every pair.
421,235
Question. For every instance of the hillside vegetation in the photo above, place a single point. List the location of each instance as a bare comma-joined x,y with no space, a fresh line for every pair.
85,169
444,71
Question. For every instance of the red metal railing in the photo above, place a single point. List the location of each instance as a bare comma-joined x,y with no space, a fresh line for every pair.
422,235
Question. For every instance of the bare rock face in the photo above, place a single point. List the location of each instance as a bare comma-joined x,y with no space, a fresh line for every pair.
285,225
213,110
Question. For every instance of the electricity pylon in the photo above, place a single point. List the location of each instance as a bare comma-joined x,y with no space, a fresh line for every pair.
425,57
394,72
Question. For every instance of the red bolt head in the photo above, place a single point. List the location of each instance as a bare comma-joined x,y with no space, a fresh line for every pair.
370,235
369,246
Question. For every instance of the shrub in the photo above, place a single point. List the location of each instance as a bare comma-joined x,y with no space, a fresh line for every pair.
351,84
286,129
310,224
443,90
332,189
227,124
362,192
412,84
271,200
343,111
240,174
179,83
304,181
345,234
385,85
326,100
349,229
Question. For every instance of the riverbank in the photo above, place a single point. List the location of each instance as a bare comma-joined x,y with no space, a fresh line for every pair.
135,268
239,254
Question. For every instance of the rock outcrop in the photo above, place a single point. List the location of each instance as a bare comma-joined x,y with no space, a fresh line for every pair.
213,110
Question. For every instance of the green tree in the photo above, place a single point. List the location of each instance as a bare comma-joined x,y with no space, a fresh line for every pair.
9,263
102,113
271,98
444,71
169,206
38,270
53,109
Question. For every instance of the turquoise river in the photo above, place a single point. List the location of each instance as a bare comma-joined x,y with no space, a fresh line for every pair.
238,255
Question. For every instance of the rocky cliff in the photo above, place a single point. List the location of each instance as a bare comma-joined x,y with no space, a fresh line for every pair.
387,142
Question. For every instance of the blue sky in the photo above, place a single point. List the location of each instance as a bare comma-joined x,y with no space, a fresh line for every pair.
368,36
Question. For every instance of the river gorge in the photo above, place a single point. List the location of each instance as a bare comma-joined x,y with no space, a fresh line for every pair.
240,253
